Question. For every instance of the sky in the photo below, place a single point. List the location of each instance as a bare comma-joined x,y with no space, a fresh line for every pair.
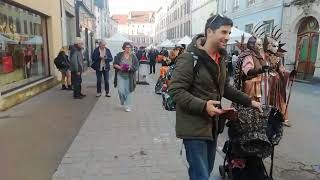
124,6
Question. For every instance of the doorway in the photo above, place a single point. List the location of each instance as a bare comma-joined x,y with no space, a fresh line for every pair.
307,46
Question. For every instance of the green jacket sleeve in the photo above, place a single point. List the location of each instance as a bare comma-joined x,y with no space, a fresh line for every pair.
135,63
235,95
74,66
117,58
181,82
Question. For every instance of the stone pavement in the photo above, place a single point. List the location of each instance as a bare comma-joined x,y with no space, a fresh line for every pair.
116,145
35,134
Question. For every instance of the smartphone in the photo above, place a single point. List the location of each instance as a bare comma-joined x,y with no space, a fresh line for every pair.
230,113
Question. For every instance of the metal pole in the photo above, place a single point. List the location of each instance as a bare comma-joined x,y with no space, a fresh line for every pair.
267,86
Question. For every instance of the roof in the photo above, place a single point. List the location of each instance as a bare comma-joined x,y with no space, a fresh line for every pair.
141,16
120,18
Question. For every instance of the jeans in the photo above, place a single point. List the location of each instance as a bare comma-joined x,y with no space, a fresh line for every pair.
200,156
152,67
105,78
76,82
124,91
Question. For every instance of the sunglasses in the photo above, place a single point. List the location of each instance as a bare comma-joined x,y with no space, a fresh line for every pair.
218,15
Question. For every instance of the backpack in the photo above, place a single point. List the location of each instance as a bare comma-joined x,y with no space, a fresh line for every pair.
167,101
59,62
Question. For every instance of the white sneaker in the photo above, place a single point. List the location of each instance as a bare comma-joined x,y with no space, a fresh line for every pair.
98,95
128,109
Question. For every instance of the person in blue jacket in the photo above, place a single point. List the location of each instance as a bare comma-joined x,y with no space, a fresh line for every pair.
101,58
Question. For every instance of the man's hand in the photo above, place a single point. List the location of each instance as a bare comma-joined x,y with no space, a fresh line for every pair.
212,110
257,105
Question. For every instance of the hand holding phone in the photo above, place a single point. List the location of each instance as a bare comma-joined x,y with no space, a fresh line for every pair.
229,113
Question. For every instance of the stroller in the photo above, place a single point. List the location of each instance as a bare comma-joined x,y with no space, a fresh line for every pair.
252,137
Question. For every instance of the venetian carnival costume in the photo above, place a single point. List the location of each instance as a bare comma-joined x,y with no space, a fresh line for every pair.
252,134
250,67
278,77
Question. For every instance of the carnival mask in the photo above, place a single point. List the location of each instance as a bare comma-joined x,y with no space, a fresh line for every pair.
273,45
259,44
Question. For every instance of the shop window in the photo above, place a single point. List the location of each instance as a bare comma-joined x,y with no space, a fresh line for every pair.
31,28
248,28
18,25
23,54
268,27
251,2
236,4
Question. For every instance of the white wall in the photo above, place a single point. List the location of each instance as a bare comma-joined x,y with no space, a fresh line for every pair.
201,10
123,29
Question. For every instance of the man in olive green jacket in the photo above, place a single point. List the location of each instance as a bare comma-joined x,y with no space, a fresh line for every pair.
197,94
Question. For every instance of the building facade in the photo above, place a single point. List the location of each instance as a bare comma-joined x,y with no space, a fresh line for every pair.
247,13
299,23
68,23
201,11
30,38
173,20
102,15
86,26
122,21
112,27
141,27
301,33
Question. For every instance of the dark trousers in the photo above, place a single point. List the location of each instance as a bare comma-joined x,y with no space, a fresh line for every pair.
200,156
152,67
76,82
253,170
105,78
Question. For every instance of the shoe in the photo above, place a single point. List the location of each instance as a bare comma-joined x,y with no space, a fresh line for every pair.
83,95
128,109
69,88
77,97
63,87
98,95
286,123
107,95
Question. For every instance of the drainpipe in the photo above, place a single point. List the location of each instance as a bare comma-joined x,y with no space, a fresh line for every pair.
61,21
77,7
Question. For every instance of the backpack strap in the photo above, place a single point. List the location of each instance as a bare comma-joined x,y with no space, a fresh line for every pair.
195,64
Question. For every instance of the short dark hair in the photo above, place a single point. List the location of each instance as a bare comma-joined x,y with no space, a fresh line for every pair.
216,21
126,44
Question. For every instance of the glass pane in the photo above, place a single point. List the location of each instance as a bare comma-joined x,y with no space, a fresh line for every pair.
304,48
314,47
22,57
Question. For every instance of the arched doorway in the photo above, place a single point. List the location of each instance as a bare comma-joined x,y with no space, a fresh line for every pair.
307,46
